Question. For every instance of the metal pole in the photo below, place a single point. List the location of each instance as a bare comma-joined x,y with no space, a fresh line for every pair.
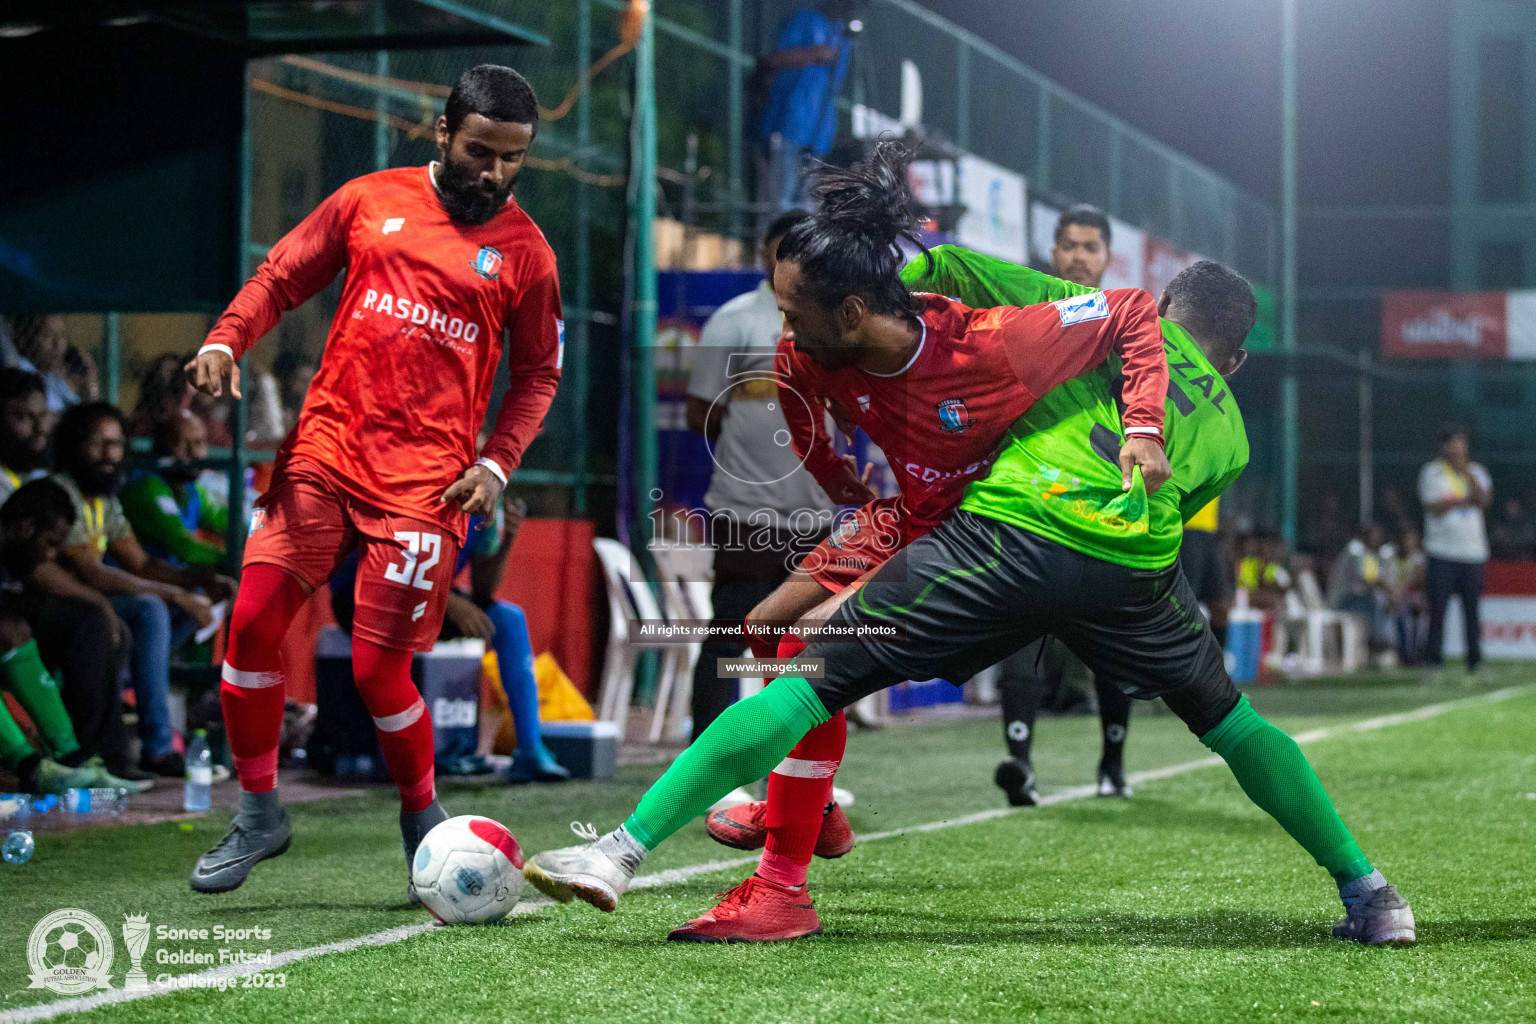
1289,421
736,125
381,113
1367,440
234,541
582,326
112,355
963,96
644,352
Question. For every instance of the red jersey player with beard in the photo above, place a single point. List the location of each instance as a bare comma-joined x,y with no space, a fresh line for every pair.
936,389
441,265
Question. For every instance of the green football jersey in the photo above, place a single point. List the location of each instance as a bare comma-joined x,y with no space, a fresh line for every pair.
1058,471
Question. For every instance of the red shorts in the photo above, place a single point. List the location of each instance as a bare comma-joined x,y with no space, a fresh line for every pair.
862,542
308,524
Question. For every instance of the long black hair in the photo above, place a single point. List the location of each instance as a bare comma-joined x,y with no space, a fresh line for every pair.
848,246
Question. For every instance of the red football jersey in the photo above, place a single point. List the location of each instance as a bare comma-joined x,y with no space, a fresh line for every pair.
408,366
940,419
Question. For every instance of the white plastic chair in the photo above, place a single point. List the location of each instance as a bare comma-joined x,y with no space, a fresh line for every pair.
629,601
1324,623
685,597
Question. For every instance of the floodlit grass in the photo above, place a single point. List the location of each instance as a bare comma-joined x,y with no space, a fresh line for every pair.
1184,904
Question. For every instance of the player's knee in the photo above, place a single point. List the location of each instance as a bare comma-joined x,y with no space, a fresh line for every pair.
1204,705
14,632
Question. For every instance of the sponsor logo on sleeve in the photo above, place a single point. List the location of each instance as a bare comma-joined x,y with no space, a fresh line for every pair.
393,224
1082,308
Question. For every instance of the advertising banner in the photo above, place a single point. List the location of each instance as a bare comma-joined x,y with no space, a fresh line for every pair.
993,221
1445,325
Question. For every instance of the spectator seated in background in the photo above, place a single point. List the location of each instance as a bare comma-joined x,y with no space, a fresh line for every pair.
24,426
81,375
1263,572
1362,576
34,522
89,445
1408,603
43,345
173,515
1512,532
478,615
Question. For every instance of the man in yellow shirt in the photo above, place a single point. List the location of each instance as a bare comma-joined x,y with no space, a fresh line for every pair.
1209,574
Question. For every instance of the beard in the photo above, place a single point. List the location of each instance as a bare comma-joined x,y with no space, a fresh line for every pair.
99,479
20,455
465,197
177,471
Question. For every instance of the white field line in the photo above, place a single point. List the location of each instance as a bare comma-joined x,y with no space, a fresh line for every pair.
535,903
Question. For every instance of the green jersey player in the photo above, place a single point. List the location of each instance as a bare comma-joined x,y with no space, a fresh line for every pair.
986,581
1068,496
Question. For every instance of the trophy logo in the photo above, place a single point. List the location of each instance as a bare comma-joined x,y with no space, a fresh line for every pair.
136,938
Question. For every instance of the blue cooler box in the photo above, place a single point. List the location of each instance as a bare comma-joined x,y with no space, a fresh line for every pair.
448,677
1245,636
589,749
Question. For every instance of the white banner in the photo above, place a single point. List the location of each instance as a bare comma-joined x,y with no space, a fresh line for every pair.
1127,256
1042,232
993,221
1509,628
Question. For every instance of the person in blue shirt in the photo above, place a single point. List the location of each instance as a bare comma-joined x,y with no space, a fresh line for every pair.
478,615
799,118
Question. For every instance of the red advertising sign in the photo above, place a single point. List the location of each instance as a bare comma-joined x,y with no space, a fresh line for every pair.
1443,325
1164,263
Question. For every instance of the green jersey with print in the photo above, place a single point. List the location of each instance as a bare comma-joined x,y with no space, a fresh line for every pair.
1058,471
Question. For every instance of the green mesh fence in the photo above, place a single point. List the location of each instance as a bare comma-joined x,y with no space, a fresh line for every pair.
320,120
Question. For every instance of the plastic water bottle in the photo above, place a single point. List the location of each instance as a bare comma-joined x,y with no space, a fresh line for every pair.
96,802
18,846
199,788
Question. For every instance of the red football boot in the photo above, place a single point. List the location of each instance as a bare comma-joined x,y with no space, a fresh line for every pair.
745,827
757,910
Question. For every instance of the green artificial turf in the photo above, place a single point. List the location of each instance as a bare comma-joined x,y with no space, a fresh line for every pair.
1184,904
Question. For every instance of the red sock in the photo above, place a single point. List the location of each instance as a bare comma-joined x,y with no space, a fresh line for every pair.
400,715
799,790
251,692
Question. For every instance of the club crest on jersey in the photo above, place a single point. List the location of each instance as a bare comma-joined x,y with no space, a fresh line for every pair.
953,415
487,262
258,520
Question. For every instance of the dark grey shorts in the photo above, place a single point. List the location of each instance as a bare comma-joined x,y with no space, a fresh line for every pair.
975,590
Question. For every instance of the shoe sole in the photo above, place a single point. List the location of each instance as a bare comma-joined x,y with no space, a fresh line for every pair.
749,841
728,940
565,888
231,888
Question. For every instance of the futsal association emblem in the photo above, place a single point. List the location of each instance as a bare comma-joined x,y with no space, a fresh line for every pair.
954,416
487,262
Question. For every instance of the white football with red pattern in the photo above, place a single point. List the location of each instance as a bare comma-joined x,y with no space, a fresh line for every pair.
469,870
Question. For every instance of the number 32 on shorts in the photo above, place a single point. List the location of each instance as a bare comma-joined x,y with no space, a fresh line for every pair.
422,551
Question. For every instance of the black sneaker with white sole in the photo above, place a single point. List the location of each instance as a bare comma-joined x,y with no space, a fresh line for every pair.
244,846
1112,781
1381,919
1016,778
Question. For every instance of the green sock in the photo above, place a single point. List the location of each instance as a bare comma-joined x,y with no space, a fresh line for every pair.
22,672
14,747
740,747
1277,776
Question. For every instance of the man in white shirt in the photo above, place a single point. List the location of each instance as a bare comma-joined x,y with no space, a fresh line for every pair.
1454,492
766,510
